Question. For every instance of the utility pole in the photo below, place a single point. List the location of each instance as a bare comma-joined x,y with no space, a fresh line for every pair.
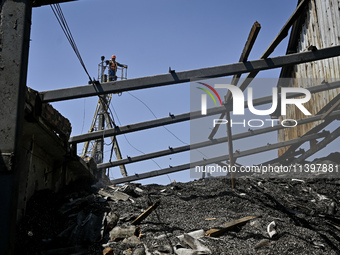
102,117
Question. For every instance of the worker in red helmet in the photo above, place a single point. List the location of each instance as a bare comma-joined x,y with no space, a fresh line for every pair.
113,64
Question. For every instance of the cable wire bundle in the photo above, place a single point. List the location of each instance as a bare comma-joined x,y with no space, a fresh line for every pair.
64,26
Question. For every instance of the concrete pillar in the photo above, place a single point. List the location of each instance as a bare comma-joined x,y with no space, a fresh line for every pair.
15,23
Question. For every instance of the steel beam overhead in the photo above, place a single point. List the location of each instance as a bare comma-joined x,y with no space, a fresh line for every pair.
209,143
328,120
187,76
282,158
322,144
38,3
333,107
250,41
186,116
216,159
278,39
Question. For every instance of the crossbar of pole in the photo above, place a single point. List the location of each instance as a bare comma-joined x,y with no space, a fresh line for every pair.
215,159
210,142
187,116
187,76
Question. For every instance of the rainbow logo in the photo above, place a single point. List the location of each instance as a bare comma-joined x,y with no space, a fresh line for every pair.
209,93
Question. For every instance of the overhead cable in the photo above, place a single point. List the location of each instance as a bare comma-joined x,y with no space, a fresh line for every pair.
64,26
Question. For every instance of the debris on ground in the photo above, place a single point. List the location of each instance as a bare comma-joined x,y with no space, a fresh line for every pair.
263,215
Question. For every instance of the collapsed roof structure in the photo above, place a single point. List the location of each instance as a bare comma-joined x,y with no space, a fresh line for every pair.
313,52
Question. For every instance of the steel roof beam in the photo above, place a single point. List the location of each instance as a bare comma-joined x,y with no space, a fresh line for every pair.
187,76
216,159
38,3
209,143
186,116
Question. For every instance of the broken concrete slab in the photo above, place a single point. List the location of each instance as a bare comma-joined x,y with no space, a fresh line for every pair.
195,234
163,236
112,220
179,250
162,249
132,240
115,196
185,212
123,232
127,252
196,245
262,243
139,251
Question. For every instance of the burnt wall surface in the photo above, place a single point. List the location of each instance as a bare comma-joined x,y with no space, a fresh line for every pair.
317,28
48,161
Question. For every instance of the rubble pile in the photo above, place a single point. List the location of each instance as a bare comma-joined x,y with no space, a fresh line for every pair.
206,216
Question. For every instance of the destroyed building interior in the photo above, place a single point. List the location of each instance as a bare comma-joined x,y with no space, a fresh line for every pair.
54,201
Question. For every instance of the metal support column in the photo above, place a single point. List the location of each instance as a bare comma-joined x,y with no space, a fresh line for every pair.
15,23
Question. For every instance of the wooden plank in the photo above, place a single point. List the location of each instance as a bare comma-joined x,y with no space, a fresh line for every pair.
230,149
277,40
229,226
145,214
250,41
244,57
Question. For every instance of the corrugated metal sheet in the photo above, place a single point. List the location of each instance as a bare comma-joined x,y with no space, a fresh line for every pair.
321,28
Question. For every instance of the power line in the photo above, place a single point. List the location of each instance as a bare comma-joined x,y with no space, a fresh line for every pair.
64,26
156,117
163,126
134,146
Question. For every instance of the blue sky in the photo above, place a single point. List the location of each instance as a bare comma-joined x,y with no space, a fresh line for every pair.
148,36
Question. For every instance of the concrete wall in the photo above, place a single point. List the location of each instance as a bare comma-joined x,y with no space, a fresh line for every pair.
49,163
